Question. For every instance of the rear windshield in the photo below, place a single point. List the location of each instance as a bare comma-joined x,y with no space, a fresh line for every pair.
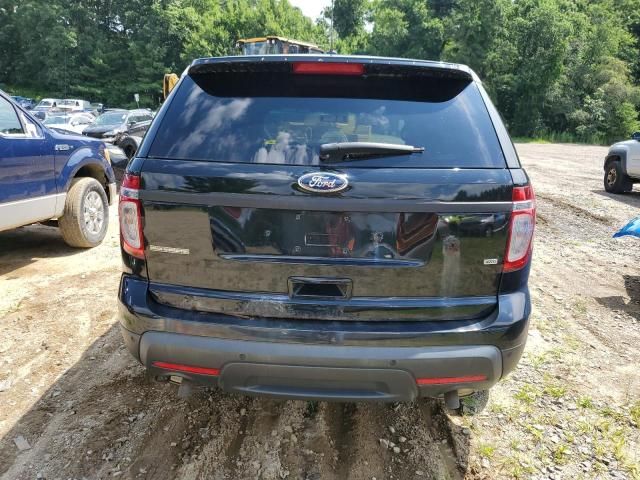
227,118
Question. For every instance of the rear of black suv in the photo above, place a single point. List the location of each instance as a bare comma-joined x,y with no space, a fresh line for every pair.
336,228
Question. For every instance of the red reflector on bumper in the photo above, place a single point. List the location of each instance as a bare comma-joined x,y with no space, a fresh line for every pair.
328,68
448,380
176,367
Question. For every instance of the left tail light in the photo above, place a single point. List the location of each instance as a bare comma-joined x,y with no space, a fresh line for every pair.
521,228
130,212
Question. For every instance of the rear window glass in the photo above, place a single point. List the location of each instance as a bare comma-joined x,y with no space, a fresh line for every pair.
225,119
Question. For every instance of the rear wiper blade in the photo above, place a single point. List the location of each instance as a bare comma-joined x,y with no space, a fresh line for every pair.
339,152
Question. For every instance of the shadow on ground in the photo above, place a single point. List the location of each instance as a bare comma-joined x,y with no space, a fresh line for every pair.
24,246
630,198
620,303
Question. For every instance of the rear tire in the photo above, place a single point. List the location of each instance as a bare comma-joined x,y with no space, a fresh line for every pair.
615,180
85,219
471,404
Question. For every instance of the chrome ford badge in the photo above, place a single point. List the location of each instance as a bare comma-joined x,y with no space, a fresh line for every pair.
323,182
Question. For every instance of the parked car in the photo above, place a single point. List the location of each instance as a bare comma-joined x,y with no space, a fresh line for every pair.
115,125
49,176
44,106
24,102
281,232
71,122
622,165
74,105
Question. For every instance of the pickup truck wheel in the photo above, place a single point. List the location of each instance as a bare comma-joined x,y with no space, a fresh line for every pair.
471,404
615,180
86,214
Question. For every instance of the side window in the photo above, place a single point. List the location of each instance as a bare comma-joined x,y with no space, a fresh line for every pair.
32,130
9,122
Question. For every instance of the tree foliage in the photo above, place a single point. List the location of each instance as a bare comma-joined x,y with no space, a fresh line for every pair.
551,66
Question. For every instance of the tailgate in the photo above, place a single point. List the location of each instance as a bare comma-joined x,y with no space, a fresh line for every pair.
286,254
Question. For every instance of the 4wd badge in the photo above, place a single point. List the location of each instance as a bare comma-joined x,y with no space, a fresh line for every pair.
323,182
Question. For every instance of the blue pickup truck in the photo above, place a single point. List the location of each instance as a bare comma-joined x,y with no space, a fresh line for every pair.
49,175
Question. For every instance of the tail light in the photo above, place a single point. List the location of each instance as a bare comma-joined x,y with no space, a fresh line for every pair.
130,212
521,228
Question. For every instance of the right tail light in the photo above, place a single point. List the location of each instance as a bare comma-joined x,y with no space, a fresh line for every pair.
130,212
521,228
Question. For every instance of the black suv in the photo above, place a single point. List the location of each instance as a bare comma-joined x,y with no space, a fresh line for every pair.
327,227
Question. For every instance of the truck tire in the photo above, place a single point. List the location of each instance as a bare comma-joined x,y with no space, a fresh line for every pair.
615,180
85,219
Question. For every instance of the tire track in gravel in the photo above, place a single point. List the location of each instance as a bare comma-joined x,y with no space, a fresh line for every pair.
259,450
449,446
575,209
212,431
315,441
342,419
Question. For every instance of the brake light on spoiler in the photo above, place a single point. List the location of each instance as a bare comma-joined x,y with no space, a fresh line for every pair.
328,68
521,228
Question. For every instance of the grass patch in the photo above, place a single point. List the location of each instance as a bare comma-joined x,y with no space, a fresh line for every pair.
585,402
518,468
12,308
527,394
563,137
486,450
634,413
555,391
611,413
537,434
561,454
580,306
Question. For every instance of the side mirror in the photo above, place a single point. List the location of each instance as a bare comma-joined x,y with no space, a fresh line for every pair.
636,136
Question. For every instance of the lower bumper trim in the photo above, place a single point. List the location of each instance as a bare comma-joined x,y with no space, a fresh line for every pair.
321,372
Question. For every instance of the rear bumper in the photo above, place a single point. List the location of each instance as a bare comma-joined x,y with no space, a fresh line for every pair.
345,361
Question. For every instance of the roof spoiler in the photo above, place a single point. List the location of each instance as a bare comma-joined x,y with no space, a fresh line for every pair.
372,65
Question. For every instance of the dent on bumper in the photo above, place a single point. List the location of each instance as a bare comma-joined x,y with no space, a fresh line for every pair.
308,360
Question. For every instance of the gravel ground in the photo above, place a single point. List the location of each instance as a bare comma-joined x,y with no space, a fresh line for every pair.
75,405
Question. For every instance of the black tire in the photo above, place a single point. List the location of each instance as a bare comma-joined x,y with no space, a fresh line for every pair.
615,180
129,146
85,219
471,404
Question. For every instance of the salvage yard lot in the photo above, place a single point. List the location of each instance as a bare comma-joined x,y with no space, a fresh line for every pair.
571,410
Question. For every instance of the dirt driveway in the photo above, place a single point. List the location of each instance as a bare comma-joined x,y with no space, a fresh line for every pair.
75,405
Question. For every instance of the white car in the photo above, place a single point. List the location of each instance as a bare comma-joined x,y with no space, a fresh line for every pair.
622,165
74,105
71,122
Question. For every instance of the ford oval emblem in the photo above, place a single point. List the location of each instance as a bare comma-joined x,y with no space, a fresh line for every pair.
323,182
